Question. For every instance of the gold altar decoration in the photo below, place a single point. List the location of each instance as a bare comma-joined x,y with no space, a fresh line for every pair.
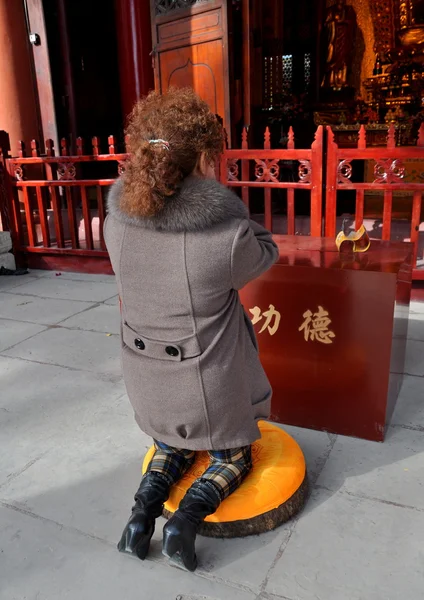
356,241
384,17
411,17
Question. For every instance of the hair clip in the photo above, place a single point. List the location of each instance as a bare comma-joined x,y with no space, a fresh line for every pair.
162,142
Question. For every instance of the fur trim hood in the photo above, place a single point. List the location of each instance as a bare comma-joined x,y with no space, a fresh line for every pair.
198,205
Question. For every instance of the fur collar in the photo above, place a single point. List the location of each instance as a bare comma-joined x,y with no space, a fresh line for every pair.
198,205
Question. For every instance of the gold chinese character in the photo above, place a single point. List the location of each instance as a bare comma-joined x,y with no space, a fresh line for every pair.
269,315
315,326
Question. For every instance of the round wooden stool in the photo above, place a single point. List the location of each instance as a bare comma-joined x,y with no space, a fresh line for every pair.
272,493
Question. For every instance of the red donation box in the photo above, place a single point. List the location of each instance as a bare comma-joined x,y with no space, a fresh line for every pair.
332,333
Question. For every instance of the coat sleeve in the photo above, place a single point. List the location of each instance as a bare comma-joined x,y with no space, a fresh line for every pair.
253,253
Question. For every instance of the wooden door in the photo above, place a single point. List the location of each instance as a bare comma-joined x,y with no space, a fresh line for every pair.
190,48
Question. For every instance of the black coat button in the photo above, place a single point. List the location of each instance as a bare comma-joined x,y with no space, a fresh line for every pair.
139,344
172,351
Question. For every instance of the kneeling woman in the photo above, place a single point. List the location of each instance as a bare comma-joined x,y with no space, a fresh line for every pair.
181,247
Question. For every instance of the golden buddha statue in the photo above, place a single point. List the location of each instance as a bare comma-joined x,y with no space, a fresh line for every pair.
340,27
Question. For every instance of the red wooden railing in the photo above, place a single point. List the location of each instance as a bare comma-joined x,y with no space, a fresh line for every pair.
55,205
389,175
252,168
55,208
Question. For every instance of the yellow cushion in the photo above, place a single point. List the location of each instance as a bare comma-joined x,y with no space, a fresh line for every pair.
278,471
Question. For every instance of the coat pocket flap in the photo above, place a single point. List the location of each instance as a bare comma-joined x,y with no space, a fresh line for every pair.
176,351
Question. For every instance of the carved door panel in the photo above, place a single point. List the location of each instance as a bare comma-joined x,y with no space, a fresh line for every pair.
191,50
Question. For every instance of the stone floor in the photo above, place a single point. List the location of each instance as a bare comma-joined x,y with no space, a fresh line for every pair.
70,462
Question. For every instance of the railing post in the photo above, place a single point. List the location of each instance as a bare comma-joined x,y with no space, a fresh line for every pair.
331,189
316,192
5,199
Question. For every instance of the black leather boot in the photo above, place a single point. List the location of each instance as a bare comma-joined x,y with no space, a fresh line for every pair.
149,499
179,533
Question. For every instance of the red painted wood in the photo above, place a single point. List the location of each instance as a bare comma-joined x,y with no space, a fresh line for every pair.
359,213
80,146
70,263
32,238
64,149
267,190
18,231
387,214
350,385
43,78
35,148
391,137
49,144
389,182
245,169
72,218
57,215
43,218
53,160
415,222
62,183
95,143
190,49
101,209
291,216
87,219
21,149
316,193
247,77
134,48
331,190
362,138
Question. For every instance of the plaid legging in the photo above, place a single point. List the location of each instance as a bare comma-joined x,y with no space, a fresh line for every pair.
226,471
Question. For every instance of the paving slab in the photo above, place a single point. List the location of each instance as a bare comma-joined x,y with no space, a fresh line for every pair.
41,406
348,548
243,560
409,409
8,282
315,445
43,311
75,349
416,327
13,332
414,360
85,480
42,561
391,472
113,301
66,289
88,482
60,275
103,318
416,307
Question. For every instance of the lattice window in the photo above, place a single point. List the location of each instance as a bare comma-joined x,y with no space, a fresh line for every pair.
166,6
266,82
307,62
287,75
278,79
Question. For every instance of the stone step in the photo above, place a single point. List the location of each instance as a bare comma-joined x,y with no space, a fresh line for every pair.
5,242
7,260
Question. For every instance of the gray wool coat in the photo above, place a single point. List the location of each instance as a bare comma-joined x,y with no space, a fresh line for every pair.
189,352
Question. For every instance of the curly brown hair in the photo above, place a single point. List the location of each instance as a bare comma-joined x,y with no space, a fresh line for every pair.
154,172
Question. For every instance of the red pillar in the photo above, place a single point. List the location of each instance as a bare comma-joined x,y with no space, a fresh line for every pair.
18,102
135,45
